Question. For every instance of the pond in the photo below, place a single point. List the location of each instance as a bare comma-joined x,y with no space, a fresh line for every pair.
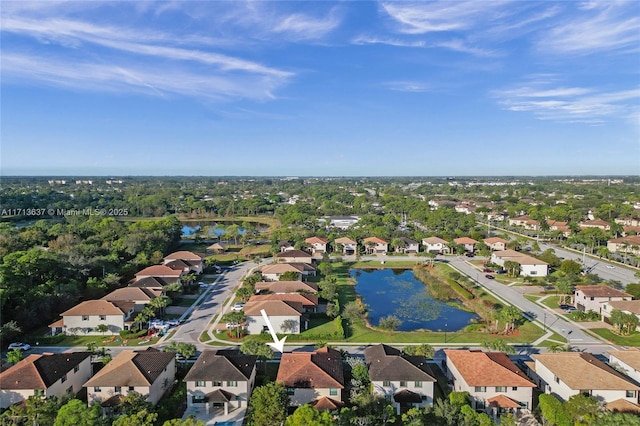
212,229
398,292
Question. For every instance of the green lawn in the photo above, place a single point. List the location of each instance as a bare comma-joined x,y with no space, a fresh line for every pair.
79,341
551,302
532,297
184,302
605,333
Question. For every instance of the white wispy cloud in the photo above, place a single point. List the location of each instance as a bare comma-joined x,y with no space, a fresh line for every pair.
408,86
597,27
306,27
426,17
570,104
363,40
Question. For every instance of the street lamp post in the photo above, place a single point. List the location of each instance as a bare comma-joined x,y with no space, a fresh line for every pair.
545,321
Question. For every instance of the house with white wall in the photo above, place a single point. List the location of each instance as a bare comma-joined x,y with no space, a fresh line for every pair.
319,246
221,379
435,245
83,318
496,243
469,244
311,376
285,317
495,384
375,245
349,246
193,262
405,381
626,361
529,265
593,297
566,374
626,306
148,372
46,375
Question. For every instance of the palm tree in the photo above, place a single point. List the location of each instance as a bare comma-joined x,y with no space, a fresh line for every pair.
159,303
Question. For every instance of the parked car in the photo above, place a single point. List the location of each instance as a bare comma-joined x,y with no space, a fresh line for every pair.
20,346
570,309
172,322
487,270
490,277
469,254
501,271
217,269
238,306
563,306
610,266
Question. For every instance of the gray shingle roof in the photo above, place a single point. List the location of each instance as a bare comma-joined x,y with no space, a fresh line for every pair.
222,365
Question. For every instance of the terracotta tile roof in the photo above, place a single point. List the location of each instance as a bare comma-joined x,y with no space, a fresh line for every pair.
516,256
222,365
178,264
133,368
503,401
326,404
293,253
631,357
183,255
407,241
586,371
96,307
632,306
40,371
487,369
434,240
494,240
319,369
345,240
132,294
601,291
631,240
159,271
595,222
388,363
623,406
152,282
508,253
274,308
375,240
286,286
464,240
316,240
309,300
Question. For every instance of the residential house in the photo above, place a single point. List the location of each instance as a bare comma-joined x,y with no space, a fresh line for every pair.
562,227
628,221
278,287
409,246
467,243
593,297
626,306
529,265
310,376
496,216
148,372
285,317
524,221
140,296
597,223
154,283
496,243
221,380
194,262
349,246
294,256
309,301
623,406
566,374
274,271
216,248
465,208
160,271
46,375
493,381
629,245
86,316
435,245
405,381
285,246
626,361
375,245
318,246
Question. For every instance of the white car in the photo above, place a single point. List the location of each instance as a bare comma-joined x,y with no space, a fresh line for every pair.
20,346
237,306
610,266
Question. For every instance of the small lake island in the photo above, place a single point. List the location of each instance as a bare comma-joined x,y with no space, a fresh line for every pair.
399,293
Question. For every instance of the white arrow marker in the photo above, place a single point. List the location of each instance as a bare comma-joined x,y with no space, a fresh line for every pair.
278,345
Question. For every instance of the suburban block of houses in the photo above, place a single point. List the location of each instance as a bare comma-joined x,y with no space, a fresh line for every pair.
180,259
221,380
529,265
493,381
566,374
46,375
140,296
148,372
310,376
629,244
593,297
405,381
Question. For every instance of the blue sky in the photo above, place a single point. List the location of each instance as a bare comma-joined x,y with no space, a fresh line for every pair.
351,88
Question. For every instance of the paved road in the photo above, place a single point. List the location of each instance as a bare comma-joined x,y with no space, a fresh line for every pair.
570,331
